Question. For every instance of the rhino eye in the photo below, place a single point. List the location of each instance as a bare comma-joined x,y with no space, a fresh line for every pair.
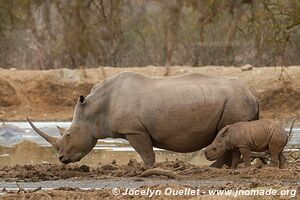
214,148
68,135
82,99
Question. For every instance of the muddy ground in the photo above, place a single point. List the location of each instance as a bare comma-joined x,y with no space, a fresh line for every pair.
51,95
170,169
258,176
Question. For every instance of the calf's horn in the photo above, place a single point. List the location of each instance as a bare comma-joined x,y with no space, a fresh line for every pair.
47,137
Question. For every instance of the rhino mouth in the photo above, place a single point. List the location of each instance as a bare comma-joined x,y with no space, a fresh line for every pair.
64,160
210,158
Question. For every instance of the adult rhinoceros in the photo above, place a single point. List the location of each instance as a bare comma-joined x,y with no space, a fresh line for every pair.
181,114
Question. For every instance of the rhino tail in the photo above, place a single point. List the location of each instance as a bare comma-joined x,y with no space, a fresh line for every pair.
258,110
256,117
292,126
290,135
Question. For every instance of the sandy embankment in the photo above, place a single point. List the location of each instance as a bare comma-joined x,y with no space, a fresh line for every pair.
51,95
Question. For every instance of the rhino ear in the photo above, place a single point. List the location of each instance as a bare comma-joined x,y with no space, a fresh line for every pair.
223,131
82,99
61,130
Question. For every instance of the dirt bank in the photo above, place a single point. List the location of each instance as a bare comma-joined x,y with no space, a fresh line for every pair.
51,95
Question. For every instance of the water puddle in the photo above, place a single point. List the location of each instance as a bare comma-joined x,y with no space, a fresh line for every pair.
32,153
122,183
24,146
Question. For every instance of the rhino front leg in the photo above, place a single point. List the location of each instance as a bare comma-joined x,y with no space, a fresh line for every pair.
236,154
143,145
246,153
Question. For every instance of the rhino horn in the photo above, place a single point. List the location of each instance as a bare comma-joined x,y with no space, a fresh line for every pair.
47,137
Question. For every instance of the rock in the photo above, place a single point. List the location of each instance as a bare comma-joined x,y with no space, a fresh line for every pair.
10,135
234,172
8,94
85,168
185,71
70,75
247,67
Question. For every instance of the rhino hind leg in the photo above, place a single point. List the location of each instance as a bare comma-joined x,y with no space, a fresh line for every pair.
143,146
276,147
282,160
274,160
275,157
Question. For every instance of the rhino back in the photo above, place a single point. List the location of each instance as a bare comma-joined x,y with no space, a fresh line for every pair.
257,135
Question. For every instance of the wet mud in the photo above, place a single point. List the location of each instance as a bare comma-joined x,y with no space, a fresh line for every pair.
177,172
168,169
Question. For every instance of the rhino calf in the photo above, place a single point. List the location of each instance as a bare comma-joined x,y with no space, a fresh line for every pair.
244,137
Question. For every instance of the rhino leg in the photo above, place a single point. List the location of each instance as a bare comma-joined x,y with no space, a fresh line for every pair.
275,148
236,154
246,153
274,159
143,146
282,160
226,159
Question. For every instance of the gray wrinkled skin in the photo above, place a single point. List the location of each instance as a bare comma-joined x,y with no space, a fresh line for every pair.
244,137
181,114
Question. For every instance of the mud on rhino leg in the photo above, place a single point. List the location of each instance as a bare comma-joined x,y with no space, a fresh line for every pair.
143,146
226,159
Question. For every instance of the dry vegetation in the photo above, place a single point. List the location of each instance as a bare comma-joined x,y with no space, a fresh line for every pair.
52,34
